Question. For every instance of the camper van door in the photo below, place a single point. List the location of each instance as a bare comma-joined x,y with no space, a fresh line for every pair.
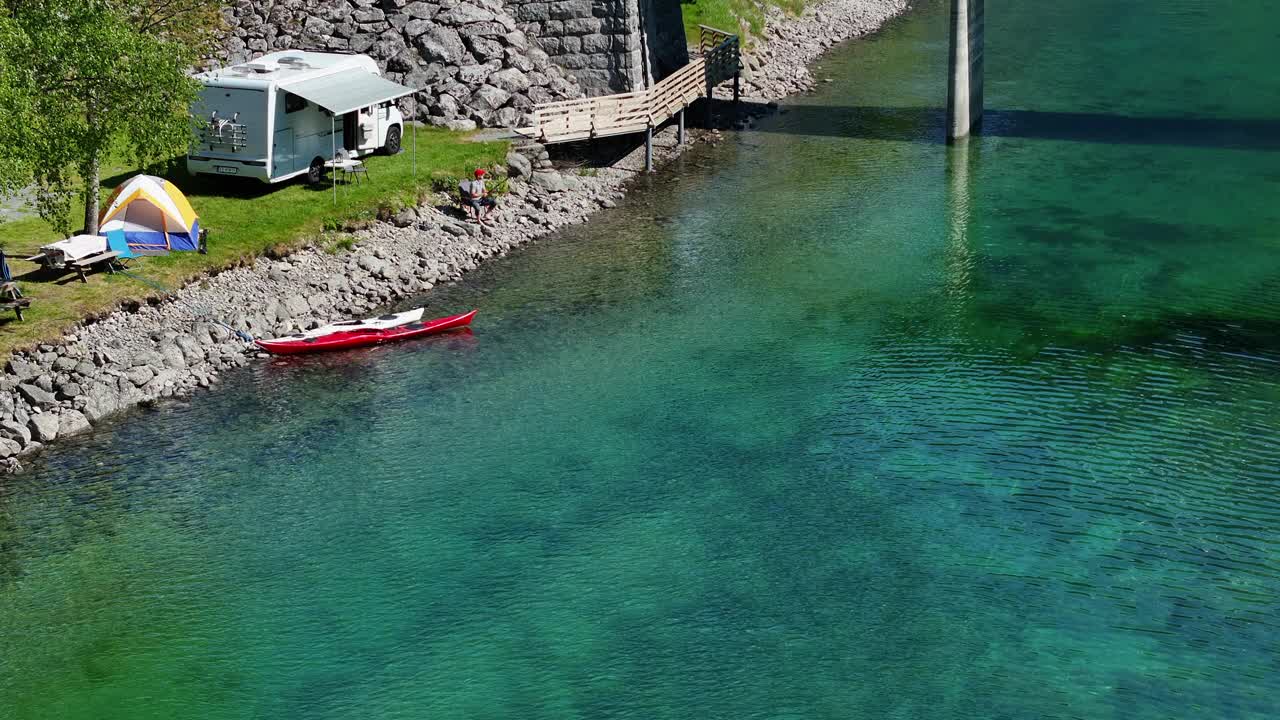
368,129
282,152
350,131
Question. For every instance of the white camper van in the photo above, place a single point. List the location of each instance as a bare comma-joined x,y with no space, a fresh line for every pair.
285,114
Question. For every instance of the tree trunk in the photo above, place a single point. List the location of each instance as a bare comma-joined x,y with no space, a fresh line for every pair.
91,191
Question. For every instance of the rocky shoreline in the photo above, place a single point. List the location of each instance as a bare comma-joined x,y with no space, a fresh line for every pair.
171,348
776,64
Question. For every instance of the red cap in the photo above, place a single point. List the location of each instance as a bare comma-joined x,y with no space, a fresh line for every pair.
479,172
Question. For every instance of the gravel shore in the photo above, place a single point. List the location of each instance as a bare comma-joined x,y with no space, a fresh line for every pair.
160,350
776,63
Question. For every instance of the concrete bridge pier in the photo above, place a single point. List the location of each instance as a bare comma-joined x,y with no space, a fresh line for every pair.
964,92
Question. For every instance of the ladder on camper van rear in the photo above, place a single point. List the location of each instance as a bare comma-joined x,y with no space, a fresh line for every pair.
233,135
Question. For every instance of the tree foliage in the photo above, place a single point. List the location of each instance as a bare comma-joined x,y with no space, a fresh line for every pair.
81,78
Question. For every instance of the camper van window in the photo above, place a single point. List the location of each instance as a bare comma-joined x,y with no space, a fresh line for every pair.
294,103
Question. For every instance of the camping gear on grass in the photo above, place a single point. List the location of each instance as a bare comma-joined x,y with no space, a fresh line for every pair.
148,215
360,333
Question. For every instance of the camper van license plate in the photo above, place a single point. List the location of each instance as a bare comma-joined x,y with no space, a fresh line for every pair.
227,170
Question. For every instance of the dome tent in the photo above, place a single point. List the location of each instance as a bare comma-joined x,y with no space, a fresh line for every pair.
148,215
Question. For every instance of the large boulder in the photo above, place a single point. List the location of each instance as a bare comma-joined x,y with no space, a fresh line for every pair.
70,390
511,80
101,402
405,217
484,48
297,305
421,10
370,264
548,181
416,28
518,165
517,40
36,396
464,14
44,427
72,422
488,97
441,44
513,59
475,74
149,358
192,346
368,15
15,431
22,369
508,117
172,354
139,375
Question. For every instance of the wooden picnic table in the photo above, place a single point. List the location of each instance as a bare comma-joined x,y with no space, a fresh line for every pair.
11,298
83,265
67,254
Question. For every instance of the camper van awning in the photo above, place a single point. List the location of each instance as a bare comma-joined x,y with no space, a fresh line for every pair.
348,90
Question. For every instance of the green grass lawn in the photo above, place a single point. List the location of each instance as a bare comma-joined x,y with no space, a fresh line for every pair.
245,219
728,15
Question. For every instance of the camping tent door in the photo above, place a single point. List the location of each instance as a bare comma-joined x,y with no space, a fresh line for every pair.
282,153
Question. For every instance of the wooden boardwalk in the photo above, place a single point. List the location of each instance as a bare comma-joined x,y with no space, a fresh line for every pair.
625,113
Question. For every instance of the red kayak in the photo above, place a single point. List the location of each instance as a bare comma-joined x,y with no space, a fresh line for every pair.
359,333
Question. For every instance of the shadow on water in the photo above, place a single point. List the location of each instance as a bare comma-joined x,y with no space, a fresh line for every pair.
928,125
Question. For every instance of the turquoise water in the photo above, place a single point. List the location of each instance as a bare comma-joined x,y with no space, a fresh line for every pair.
830,422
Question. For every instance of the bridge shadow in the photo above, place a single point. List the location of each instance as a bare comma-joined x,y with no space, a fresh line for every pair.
907,124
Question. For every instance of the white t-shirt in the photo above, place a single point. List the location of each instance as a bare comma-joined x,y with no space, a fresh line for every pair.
474,188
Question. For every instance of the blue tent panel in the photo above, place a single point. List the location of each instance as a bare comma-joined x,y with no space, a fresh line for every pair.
185,240
130,242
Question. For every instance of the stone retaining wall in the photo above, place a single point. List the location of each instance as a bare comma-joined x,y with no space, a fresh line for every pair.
472,61
609,45
479,62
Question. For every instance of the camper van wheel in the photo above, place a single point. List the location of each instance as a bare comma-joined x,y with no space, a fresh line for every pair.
315,172
393,140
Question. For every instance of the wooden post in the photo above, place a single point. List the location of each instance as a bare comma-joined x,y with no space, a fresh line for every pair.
710,89
648,149
680,127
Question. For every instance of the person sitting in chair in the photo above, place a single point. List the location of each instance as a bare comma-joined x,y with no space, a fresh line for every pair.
475,196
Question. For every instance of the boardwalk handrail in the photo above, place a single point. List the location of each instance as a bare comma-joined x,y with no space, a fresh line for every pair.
583,118
710,38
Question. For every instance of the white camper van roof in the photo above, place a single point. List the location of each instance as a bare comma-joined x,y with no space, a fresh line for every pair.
338,83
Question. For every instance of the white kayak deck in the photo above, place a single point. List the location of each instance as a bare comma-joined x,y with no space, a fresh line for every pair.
382,322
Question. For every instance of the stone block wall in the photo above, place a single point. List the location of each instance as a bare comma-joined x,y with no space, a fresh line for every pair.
664,36
474,64
608,45
479,62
